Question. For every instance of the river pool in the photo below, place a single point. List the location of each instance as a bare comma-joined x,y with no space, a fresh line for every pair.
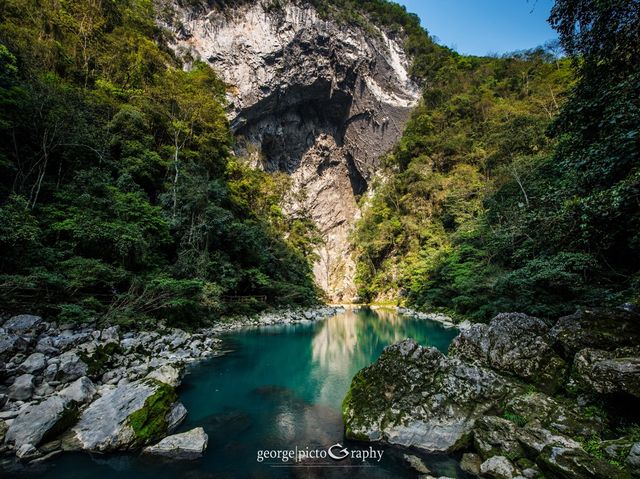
277,388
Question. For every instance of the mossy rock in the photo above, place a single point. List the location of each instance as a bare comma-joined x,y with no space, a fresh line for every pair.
149,423
415,396
564,463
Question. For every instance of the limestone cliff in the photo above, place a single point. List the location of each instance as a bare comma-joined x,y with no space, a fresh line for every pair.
316,98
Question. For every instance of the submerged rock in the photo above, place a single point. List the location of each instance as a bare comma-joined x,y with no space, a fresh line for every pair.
185,446
416,396
127,417
471,463
516,344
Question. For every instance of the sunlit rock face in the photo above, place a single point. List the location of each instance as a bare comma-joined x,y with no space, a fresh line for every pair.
317,99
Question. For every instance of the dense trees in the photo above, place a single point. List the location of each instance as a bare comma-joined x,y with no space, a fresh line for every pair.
504,196
514,187
120,199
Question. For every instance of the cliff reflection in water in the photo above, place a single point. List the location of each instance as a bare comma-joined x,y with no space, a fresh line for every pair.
347,343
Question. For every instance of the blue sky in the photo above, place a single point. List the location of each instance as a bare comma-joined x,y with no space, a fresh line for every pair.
480,27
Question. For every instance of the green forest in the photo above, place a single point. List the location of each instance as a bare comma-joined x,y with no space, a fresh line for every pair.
120,198
516,185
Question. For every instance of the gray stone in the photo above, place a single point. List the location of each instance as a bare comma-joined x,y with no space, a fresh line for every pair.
45,346
633,459
27,452
113,376
105,425
110,335
11,344
168,374
185,446
513,343
415,463
574,463
498,467
41,420
35,363
50,372
176,415
606,372
69,338
71,367
496,436
534,440
22,323
416,396
81,390
596,328
539,410
44,389
22,388
471,463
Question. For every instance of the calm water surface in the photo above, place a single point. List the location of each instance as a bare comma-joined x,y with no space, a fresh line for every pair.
277,388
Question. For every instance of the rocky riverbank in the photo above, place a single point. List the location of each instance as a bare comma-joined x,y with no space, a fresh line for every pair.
522,397
79,387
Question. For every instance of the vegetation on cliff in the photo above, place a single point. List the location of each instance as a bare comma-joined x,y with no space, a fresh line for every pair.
118,194
515,186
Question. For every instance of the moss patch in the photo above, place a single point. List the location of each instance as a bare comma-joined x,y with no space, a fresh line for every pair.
100,360
149,423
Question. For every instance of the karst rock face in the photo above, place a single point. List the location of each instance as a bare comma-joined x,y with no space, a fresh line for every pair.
310,96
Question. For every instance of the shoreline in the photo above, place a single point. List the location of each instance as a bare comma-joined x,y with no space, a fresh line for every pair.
48,369
45,363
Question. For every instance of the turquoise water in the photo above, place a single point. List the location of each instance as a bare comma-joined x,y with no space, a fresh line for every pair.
278,387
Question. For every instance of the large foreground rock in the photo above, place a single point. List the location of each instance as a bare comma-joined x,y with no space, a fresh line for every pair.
539,410
187,445
128,417
513,343
567,463
41,421
606,372
596,328
416,396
